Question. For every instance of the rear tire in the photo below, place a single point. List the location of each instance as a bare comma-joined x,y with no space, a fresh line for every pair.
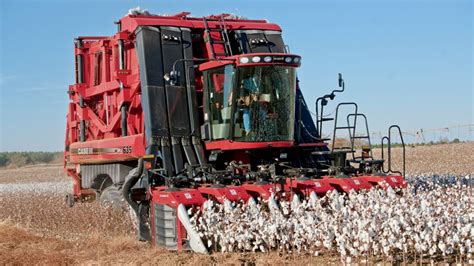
70,200
112,196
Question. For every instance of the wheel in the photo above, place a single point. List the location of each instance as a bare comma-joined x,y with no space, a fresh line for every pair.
69,200
112,196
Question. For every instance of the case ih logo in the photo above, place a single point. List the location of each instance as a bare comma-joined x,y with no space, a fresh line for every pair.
97,151
84,151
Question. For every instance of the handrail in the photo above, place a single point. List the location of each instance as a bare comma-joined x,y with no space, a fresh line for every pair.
324,101
319,118
383,165
389,151
389,148
348,127
366,128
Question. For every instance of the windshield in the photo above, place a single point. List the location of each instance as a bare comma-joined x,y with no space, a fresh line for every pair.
260,100
265,98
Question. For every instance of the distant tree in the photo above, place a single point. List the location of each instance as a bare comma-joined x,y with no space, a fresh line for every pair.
443,140
19,159
3,159
41,157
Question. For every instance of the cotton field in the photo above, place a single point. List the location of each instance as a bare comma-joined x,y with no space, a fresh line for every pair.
430,221
434,216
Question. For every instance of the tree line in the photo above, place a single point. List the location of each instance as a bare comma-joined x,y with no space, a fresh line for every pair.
19,159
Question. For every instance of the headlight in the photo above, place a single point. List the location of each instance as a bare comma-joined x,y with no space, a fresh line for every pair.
267,59
256,59
288,59
244,60
296,60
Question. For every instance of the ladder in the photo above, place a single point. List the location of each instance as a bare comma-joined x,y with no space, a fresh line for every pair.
363,137
224,40
349,127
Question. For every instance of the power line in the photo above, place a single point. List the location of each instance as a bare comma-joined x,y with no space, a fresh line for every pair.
419,135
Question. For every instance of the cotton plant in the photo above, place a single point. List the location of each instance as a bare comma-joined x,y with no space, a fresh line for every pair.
434,215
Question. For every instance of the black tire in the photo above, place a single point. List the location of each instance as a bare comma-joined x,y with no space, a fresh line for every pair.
70,200
112,196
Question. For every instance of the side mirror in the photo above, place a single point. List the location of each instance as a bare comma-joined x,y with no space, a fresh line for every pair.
340,80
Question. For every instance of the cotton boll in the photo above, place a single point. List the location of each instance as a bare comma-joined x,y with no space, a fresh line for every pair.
368,222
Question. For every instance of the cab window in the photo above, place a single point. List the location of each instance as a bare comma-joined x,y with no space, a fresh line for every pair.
220,100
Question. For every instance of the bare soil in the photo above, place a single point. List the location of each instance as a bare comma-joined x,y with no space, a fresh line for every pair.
36,227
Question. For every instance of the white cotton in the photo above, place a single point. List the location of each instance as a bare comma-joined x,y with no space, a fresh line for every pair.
436,220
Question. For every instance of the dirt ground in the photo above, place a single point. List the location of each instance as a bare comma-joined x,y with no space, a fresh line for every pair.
36,227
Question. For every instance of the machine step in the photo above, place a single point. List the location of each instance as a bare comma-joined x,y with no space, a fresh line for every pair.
326,119
348,127
361,137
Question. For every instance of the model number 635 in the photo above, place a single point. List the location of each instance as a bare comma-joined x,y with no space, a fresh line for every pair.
127,149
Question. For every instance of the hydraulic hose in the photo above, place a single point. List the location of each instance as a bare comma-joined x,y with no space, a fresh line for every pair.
131,179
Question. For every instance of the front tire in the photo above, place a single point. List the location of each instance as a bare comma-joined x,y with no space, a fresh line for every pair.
112,196
70,200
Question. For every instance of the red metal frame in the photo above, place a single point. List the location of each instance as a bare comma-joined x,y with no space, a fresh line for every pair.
263,191
239,145
220,194
305,187
328,183
188,197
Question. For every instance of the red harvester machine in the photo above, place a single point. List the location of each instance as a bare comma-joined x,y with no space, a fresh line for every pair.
174,110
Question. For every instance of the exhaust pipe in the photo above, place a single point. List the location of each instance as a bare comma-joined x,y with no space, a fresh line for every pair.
123,108
79,80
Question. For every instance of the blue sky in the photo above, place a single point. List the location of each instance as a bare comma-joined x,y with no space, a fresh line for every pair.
405,62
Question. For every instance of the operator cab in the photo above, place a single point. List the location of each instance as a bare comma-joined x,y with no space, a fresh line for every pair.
250,98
